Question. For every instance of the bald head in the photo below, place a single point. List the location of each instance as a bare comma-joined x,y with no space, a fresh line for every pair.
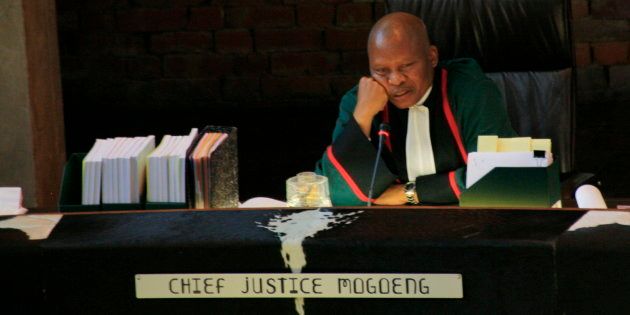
401,58
399,28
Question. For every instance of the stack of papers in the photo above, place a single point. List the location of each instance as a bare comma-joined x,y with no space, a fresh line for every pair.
166,169
201,160
92,171
493,151
118,166
11,201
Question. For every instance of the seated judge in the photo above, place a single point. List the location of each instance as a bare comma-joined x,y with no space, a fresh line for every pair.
435,110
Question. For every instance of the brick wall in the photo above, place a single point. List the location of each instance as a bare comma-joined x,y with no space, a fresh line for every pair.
258,52
181,62
601,37
268,66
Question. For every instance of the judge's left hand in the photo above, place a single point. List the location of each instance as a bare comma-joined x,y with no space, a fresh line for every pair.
393,196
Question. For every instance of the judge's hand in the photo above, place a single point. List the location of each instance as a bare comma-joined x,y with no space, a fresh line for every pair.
393,196
371,99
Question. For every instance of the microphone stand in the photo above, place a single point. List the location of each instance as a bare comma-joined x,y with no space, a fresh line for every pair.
382,133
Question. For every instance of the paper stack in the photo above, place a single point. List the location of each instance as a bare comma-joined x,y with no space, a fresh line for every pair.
493,152
114,170
200,157
166,169
92,171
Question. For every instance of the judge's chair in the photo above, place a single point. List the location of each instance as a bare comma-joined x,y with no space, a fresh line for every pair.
524,46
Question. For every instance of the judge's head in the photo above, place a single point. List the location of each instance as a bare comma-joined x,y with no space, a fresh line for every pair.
401,58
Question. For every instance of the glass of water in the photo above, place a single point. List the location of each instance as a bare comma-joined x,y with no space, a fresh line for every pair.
308,189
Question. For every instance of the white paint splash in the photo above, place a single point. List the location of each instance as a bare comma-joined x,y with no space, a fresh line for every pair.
295,227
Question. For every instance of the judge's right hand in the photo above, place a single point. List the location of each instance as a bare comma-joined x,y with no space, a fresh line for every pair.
371,99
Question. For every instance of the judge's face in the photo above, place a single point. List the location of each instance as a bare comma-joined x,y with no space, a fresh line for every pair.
404,69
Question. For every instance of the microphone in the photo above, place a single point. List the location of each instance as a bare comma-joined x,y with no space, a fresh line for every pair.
383,131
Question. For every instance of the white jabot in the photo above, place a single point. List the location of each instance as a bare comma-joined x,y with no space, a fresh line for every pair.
420,159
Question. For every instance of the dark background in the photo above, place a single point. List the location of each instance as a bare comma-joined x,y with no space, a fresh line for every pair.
276,70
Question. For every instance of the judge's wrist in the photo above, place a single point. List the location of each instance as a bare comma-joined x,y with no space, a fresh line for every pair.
364,121
411,193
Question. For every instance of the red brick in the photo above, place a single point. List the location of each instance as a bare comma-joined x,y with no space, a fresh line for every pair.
304,63
151,20
582,54
198,93
347,39
591,30
251,64
619,76
579,9
241,88
207,18
100,22
260,16
591,78
335,1
235,3
616,9
166,3
354,14
144,67
111,43
315,15
355,62
234,41
610,53
102,5
105,67
181,42
183,3
295,87
288,40
196,66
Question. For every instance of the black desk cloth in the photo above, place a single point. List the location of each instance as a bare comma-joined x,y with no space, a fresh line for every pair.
512,261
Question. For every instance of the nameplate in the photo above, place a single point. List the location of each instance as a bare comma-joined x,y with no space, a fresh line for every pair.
305,285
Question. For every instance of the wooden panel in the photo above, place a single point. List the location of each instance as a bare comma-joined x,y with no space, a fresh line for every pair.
46,107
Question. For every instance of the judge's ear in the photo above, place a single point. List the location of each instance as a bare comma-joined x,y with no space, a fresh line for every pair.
433,56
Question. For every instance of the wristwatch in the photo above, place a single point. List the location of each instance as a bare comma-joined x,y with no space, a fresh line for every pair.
410,193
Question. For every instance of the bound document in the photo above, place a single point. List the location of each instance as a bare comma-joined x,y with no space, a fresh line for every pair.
213,168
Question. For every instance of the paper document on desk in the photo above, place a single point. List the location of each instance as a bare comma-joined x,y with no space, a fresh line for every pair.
481,163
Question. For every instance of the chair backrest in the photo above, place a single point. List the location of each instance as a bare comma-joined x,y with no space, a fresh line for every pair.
524,46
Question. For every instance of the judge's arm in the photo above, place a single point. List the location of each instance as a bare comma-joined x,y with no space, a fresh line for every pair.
349,160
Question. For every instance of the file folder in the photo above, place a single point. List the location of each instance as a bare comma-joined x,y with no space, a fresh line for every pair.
515,187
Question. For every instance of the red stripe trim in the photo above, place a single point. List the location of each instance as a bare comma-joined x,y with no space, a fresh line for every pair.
446,105
383,133
453,183
388,142
353,186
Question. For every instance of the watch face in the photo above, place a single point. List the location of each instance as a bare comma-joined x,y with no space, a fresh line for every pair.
410,186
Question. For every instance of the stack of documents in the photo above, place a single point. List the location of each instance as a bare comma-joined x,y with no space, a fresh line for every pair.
118,167
166,169
493,152
198,170
201,162
92,171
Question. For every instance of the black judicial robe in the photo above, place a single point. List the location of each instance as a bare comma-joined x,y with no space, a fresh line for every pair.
463,105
